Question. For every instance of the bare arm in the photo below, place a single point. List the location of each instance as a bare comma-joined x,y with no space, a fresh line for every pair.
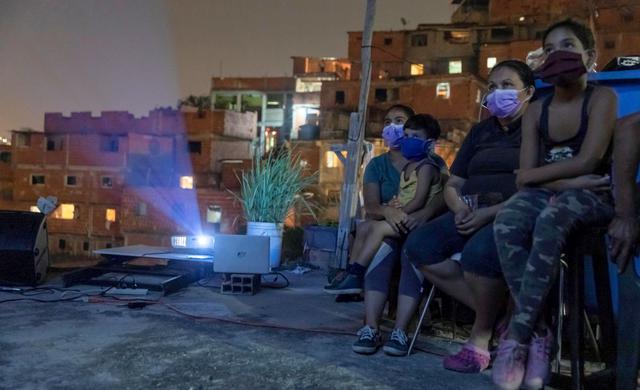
626,158
624,228
432,209
452,194
426,174
530,146
602,121
372,203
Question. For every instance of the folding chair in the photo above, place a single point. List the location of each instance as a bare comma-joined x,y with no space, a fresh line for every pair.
425,309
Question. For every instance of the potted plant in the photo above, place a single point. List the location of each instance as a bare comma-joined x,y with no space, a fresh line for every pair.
268,193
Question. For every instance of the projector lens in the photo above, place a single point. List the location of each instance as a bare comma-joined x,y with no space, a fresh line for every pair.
200,242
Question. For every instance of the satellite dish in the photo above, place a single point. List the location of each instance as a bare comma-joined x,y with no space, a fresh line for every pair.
403,21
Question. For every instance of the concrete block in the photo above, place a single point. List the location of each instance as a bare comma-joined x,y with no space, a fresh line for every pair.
241,284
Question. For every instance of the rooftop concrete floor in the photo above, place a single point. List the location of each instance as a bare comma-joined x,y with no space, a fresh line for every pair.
295,338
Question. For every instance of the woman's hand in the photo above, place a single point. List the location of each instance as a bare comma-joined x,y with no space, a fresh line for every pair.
473,221
395,203
461,214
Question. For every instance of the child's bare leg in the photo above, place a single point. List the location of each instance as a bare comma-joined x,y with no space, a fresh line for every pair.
362,231
377,233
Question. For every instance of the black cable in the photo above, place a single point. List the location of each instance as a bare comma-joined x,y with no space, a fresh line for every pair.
272,283
116,285
199,283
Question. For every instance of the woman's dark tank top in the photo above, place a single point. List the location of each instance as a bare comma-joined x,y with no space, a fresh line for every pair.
554,151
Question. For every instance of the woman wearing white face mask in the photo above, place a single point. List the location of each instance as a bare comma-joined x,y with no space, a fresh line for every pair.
483,170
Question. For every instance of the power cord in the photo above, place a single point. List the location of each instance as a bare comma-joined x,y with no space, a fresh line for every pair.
273,283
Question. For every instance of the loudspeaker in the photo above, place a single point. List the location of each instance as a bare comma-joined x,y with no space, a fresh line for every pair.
24,248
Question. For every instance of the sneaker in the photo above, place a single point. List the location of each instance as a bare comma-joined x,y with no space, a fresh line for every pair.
509,366
345,283
368,341
538,362
470,360
397,344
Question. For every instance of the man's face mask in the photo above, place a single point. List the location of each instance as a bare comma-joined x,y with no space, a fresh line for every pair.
392,134
562,67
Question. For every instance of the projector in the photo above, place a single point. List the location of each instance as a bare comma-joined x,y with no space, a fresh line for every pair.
193,242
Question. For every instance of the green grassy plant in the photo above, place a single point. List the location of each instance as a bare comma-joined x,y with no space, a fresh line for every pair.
273,186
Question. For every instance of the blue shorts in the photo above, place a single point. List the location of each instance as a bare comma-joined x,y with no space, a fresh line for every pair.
438,240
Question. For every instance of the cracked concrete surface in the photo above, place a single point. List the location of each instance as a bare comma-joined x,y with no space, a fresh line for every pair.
82,345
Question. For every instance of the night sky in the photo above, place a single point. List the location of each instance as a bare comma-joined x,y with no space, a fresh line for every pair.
90,55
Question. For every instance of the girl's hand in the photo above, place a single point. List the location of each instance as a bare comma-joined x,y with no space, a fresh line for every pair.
593,182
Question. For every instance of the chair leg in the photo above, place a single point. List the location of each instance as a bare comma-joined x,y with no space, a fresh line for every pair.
560,319
592,336
628,330
576,298
424,312
605,305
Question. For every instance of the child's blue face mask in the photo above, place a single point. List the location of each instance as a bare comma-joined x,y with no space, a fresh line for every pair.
414,148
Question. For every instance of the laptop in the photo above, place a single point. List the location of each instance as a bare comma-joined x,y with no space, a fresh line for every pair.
241,254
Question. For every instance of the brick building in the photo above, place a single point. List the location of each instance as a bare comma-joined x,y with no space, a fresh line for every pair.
441,68
122,180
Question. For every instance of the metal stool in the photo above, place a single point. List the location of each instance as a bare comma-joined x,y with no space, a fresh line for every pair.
585,242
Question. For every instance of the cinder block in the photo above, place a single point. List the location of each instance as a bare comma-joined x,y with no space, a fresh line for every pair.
241,284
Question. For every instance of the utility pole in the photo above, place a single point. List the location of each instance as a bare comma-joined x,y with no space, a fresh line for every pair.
355,142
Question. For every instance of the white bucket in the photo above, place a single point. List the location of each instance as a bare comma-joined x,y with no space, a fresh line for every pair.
274,232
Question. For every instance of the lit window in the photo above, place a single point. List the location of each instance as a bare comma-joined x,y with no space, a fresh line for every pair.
34,209
214,213
186,182
65,211
331,160
455,67
491,62
417,69
110,215
521,19
443,90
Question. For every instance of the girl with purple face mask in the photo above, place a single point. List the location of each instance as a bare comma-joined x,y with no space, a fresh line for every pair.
563,181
